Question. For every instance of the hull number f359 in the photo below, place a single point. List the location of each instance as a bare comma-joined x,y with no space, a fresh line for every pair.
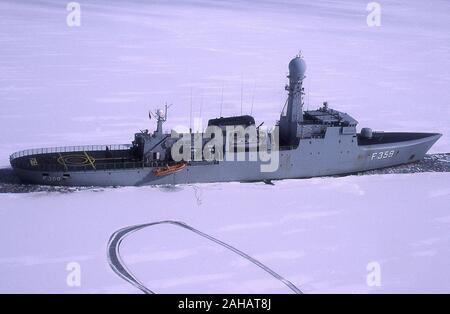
382,155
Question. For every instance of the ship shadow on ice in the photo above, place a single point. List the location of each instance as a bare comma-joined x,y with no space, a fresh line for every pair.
10,183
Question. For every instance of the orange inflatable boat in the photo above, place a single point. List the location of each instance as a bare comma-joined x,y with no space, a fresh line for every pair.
163,171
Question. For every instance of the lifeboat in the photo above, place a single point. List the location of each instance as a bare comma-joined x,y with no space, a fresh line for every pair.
163,171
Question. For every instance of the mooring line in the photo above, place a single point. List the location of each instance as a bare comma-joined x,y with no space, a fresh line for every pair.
118,266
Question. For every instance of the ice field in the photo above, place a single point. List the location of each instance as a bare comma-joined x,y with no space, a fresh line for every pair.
95,83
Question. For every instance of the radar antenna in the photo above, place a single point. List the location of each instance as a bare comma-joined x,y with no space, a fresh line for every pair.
160,116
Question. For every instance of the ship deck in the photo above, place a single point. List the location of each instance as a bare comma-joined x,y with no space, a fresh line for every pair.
392,137
81,158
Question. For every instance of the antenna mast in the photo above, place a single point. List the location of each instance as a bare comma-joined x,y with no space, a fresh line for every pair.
309,88
242,92
190,114
221,102
253,97
201,107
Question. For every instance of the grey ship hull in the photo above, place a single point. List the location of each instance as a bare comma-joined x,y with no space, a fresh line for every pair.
332,155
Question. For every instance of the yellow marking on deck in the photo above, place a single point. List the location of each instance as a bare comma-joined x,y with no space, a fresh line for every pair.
91,161
62,161
33,162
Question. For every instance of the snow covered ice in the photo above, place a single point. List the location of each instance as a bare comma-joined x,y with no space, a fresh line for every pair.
322,239
94,84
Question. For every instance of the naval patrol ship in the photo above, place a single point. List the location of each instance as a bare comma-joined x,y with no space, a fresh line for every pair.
302,144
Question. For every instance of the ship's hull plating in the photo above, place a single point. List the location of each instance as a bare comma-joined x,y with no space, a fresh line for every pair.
330,155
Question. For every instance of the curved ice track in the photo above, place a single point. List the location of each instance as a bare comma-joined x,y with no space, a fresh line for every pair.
119,267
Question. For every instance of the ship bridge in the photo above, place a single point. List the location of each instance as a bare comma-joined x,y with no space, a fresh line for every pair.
328,117
315,122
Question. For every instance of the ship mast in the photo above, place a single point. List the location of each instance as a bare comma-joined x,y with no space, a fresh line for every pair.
293,116
161,117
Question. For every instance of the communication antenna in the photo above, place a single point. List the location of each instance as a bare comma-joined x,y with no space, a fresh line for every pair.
221,102
309,88
253,97
190,114
201,105
242,92
165,110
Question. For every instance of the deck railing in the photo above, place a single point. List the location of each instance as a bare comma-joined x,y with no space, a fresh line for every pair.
68,149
